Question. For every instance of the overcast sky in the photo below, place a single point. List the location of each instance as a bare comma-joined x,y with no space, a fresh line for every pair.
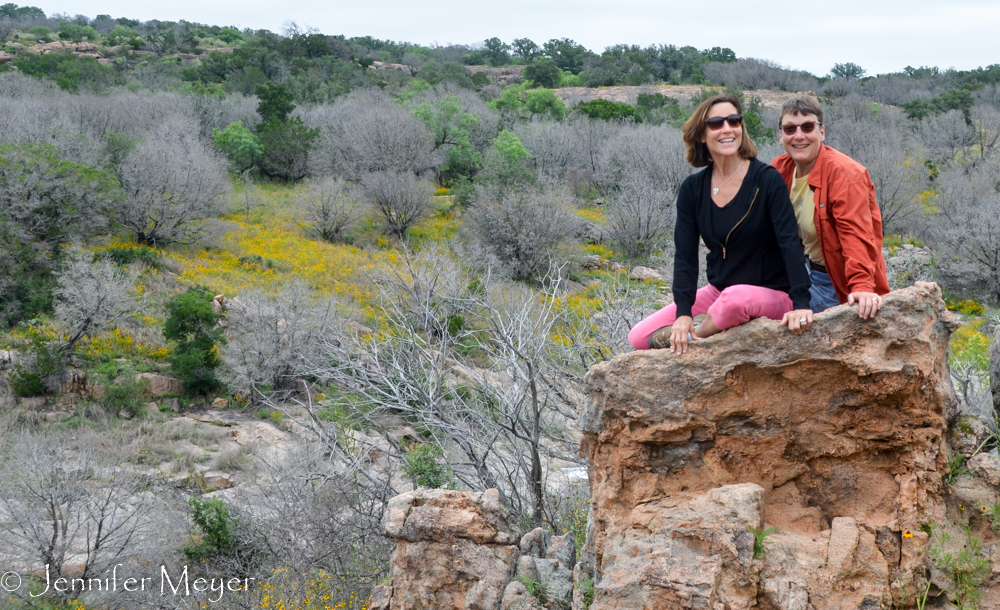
880,35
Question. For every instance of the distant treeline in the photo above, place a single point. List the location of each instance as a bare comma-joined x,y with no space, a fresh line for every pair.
318,67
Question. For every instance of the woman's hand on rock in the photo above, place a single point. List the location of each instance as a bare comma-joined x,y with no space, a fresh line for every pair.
798,320
682,334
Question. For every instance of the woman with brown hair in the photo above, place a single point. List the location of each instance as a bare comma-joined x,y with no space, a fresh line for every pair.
739,207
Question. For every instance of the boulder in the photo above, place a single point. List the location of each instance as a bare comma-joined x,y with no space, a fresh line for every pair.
835,436
987,466
453,550
517,597
214,480
533,543
161,384
645,274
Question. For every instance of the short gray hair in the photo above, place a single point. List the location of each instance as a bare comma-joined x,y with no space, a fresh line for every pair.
802,104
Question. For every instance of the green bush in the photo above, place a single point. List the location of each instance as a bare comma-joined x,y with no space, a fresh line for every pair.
76,33
69,71
607,110
286,146
193,325
124,392
43,361
543,72
40,32
230,35
425,465
240,146
216,527
126,255
120,35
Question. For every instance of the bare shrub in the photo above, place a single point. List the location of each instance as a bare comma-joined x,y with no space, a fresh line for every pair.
92,295
551,144
986,122
172,182
968,227
748,73
945,136
369,132
312,519
271,339
503,424
524,229
877,138
482,132
401,199
329,208
68,505
639,217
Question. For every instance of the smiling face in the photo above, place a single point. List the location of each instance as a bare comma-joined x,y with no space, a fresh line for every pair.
726,141
803,148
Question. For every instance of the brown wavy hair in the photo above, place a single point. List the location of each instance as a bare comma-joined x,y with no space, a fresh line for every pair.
694,129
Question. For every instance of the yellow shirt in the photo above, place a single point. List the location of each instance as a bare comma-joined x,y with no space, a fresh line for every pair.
802,201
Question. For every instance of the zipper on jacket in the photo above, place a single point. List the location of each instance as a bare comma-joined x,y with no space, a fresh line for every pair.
739,223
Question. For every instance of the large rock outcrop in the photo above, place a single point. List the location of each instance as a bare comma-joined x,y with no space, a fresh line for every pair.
453,551
835,437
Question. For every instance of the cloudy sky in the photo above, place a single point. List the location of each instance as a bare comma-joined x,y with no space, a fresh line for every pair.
880,35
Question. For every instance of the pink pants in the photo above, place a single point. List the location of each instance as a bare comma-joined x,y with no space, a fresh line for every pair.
733,306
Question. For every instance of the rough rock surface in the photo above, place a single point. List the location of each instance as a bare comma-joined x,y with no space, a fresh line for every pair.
453,551
836,437
161,384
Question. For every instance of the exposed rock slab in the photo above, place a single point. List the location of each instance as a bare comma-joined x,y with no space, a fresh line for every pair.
453,551
835,436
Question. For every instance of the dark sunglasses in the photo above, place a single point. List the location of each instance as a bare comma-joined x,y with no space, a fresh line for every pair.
715,123
806,127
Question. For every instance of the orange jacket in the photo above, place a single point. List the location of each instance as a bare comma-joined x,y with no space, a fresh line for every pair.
848,221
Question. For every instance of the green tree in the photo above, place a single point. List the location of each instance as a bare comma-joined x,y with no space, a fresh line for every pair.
275,102
286,146
543,72
545,104
567,54
953,99
13,11
240,146
193,325
849,70
505,166
719,54
45,201
522,102
216,526
607,110
656,108
451,125
526,49
497,52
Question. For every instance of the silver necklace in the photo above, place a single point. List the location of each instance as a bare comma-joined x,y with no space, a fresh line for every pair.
715,189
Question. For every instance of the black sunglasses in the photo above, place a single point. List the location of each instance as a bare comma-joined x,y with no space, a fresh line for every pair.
715,123
806,127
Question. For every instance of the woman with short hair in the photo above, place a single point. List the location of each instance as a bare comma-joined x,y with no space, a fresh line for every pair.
739,207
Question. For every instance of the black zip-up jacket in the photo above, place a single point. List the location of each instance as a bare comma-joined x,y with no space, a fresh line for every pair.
763,249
